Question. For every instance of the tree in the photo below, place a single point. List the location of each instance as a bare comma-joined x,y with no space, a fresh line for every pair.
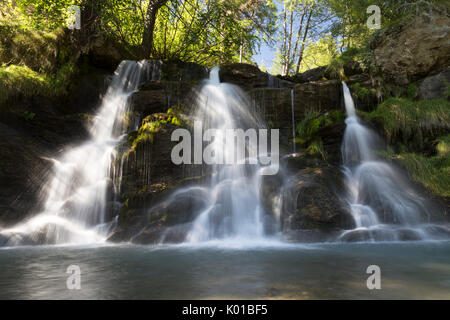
302,21
213,31
262,66
149,25
319,53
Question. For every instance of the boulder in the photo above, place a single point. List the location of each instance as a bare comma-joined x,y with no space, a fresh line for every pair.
166,219
316,74
312,201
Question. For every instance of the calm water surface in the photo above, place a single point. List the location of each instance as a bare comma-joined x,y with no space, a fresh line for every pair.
217,271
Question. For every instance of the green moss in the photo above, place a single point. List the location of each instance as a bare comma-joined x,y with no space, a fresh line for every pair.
153,123
363,94
308,128
405,117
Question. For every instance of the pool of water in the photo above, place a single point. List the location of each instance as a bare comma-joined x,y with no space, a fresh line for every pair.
413,270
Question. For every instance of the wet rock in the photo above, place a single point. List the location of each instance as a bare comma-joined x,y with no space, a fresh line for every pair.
408,235
356,236
150,99
174,234
313,201
246,76
364,235
167,220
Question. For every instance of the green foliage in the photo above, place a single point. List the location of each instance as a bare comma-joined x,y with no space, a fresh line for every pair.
362,93
405,117
44,15
300,27
206,32
336,65
315,148
319,53
313,122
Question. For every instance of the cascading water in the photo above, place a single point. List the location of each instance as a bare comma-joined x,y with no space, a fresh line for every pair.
234,210
75,206
382,202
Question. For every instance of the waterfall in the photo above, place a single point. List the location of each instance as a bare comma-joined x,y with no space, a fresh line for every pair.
75,209
234,210
381,199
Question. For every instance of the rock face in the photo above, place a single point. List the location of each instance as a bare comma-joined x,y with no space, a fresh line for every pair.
413,51
276,104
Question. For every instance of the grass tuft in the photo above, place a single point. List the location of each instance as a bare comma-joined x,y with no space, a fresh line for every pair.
402,117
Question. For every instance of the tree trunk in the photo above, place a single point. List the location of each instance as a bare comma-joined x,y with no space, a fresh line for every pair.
149,26
90,24
300,57
284,45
